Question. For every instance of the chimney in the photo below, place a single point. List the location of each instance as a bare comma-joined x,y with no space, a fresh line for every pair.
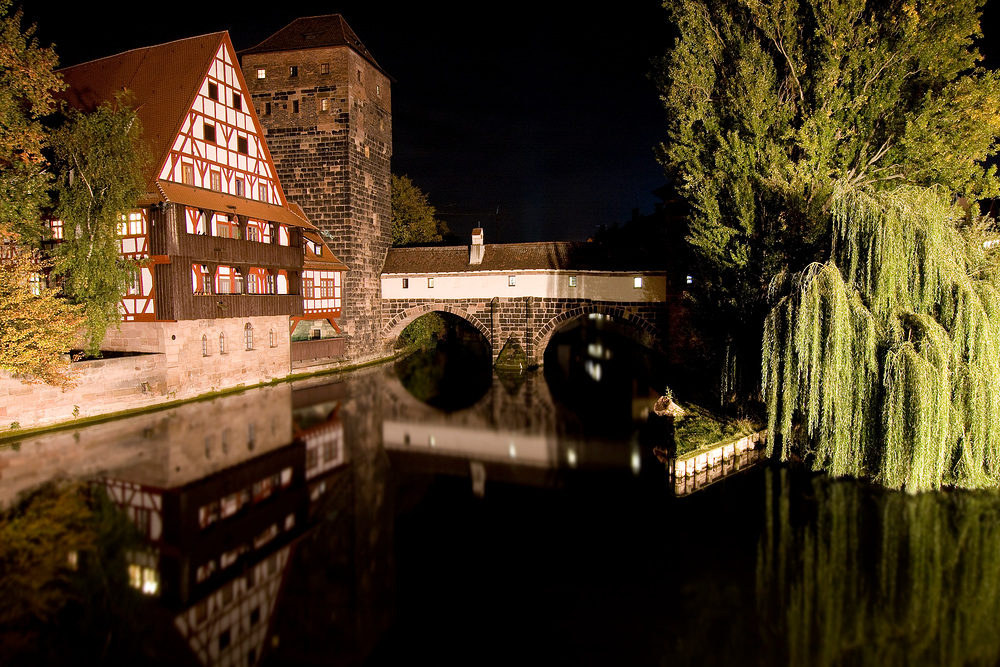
476,250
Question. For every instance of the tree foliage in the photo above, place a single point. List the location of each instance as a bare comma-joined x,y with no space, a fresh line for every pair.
889,353
35,322
102,162
776,106
413,221
27,83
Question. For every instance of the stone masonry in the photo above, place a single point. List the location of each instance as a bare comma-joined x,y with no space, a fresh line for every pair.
325,106
529,321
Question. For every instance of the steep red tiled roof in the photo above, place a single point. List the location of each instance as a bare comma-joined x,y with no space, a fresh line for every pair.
560,255
163,80
313,32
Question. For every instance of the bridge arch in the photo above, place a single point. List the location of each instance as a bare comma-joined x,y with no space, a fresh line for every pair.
395,326
647,333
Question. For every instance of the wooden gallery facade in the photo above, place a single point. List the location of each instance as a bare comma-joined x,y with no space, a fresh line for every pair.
227,266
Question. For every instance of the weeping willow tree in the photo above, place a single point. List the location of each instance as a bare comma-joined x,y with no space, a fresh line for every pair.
878,577
885,360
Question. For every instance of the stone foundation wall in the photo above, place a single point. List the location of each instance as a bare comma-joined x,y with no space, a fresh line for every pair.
175,366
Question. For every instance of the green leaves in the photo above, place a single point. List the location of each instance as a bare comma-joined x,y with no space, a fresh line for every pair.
102,163
413,220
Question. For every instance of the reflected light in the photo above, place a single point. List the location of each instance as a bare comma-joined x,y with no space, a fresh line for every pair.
512,450
636,461
593,370
571,457
431,441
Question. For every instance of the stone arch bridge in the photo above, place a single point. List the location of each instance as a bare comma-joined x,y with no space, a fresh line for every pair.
525,292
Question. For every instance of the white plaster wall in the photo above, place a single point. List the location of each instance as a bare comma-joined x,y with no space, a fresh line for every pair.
544,284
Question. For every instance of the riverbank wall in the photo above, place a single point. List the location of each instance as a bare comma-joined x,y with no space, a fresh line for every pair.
695,470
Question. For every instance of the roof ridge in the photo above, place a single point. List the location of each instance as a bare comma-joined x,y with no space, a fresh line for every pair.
143,48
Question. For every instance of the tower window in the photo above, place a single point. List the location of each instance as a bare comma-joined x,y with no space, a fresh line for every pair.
406,283
293,70
511,281
222,343
637,282
572,281
324,68
324,104
295,106
267,108
261,73
430,282
248,336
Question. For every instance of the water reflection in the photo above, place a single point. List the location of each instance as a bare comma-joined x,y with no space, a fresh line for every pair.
348,522
852,574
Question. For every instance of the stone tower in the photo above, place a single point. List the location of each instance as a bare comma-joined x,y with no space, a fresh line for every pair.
325,106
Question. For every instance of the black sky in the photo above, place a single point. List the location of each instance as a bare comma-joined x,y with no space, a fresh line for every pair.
542,112
545,115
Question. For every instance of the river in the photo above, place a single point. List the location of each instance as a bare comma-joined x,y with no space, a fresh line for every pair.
511,519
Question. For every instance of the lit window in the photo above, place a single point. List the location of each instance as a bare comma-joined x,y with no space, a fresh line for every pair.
406,283
378,89
637,282
430,282
242,145
213,91
690,279
261,73
293,70
324,68
511,281
237,102
209,132
248,336
324,104
572,281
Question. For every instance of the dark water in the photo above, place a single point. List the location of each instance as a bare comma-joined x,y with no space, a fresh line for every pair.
347,522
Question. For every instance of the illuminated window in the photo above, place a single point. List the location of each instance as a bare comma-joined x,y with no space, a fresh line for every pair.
213,91
209,132
511,281
324,68
248,336
572,281
324,104
690,279
242,145
406,283
637,282
378,89
293,71
430,282
261,73
237,102
187,173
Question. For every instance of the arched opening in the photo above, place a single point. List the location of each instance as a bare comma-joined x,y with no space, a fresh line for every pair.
605,366
449,362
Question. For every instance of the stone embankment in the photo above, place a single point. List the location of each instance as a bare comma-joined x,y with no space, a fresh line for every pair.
695,470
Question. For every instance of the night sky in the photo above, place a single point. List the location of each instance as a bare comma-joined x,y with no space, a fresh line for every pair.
534,122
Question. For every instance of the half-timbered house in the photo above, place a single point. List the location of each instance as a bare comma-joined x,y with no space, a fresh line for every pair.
222,252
